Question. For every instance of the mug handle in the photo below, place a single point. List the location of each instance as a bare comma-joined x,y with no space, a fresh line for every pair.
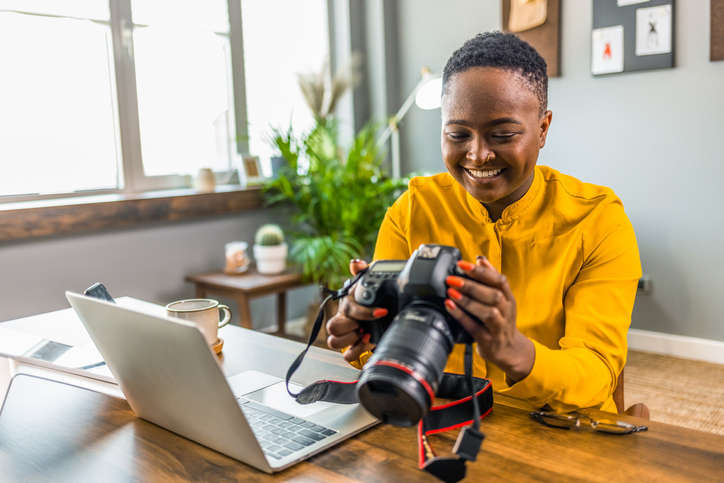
227,316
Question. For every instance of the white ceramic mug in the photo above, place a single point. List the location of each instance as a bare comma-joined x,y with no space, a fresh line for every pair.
202,312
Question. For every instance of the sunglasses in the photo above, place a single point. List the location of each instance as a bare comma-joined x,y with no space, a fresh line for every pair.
581,421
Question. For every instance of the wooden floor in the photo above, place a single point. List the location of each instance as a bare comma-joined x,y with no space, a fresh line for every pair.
677,391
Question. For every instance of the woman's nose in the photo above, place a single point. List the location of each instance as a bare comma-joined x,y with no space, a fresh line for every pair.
479,152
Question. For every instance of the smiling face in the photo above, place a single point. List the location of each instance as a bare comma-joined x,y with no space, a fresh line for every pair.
492,131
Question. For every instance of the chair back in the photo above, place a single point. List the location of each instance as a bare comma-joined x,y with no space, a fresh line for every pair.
639,410
618,394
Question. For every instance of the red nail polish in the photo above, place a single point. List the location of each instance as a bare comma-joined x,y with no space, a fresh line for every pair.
465,265
454,294
366,338
450,304
379,313
454,281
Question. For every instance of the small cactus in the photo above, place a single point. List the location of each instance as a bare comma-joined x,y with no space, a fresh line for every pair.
269,235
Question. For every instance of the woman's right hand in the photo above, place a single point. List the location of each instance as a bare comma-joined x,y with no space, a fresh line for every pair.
344,328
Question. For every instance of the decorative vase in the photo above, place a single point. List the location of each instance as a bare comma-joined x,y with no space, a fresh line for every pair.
270,259
205,181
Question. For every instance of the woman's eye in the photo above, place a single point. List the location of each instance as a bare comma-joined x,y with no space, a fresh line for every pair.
457,136
503,138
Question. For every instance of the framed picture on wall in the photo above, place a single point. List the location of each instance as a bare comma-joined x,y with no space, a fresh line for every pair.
252,169
632,35
716,51
538,22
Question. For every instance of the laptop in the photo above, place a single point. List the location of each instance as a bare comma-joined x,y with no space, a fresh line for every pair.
172,378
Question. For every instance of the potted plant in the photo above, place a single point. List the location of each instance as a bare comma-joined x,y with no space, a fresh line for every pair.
340,199
270,251
339,194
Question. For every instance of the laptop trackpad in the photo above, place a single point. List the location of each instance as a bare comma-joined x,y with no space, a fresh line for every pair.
277,397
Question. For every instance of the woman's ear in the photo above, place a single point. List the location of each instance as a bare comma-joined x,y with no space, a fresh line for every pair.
545,124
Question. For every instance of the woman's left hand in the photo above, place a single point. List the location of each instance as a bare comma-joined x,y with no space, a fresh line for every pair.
489,299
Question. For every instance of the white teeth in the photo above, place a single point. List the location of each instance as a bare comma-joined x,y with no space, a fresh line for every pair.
485,174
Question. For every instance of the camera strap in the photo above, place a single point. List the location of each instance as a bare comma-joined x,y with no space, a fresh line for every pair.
474,396
317,391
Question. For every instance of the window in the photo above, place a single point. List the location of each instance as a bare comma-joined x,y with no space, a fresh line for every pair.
58,129
183,77
298,41
136,95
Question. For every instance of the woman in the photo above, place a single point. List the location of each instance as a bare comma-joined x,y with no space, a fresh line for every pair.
556,263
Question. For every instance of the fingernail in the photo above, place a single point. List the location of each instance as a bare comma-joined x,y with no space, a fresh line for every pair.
480,257
355,260
366,338
454,294
465,265
454,281
379,313
450,305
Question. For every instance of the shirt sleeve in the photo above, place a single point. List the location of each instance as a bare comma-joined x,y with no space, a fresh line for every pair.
392,239
598,307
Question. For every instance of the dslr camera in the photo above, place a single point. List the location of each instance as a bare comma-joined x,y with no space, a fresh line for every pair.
399,382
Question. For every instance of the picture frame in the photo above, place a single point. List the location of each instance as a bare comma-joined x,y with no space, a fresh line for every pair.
646,39
252,169
716,51
546,37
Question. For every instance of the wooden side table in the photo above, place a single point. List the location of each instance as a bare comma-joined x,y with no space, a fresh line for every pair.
247,286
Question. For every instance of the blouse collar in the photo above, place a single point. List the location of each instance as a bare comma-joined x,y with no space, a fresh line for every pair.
512,211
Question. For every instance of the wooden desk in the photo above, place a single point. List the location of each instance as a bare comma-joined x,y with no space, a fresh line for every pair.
245,287
58,433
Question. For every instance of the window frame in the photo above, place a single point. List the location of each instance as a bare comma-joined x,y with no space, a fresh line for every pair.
131,175
24,217
122,27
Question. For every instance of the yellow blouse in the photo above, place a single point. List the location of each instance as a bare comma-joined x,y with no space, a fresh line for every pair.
570,255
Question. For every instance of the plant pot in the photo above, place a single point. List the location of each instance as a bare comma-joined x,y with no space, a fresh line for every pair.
270,259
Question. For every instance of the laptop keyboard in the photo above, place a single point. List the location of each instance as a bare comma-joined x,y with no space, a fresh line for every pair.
281,434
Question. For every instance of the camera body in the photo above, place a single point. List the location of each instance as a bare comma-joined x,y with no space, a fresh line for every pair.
414,339
396,284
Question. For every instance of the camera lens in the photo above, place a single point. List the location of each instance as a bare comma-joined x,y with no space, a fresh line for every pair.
399,382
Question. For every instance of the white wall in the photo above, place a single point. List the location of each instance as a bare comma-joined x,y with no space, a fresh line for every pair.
148,262
430,30
655,137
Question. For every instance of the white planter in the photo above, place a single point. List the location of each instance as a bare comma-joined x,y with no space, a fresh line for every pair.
271,259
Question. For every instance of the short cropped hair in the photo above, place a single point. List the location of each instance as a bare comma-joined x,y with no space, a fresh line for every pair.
504,51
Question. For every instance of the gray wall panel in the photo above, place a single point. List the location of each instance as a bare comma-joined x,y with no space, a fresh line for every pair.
653,136
148,263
